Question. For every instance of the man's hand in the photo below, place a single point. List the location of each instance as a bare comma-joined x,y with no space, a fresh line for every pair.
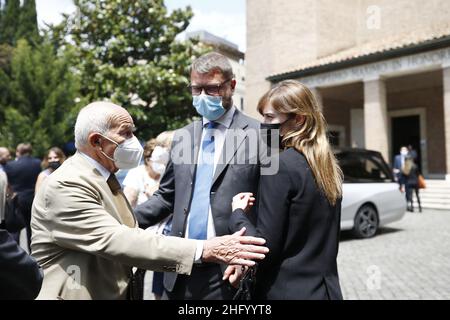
243,200
234,274
235,249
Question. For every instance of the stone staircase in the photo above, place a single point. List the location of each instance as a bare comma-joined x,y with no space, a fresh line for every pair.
435,196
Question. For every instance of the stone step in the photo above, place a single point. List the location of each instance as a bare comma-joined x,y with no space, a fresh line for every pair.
436,187
433,196
433,206
436,200
437,184
436,191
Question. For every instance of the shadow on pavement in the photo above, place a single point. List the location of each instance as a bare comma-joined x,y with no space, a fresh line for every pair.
348,235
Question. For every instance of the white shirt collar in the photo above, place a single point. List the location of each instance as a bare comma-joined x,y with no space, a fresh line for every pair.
225,119
104,172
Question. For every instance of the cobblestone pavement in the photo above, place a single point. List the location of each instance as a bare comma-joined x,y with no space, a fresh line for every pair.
408,259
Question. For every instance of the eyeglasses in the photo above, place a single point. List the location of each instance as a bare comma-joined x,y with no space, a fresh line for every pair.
212,89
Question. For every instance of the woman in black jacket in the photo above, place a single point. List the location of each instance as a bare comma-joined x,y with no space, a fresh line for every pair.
410,181
299,207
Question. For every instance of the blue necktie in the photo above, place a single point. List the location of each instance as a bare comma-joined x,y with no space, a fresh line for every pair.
198,216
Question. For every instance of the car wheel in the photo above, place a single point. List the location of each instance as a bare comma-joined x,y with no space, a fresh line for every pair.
366,222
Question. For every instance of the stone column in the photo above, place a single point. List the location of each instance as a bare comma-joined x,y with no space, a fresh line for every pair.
446,82
375,117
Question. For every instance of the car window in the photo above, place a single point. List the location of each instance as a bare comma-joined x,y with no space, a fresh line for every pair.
360,168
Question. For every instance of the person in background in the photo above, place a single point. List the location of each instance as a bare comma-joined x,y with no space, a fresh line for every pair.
54,158
3,196
5,156
409,182
399,162
160,156
413,153
140,182
22,176
159,160
20,275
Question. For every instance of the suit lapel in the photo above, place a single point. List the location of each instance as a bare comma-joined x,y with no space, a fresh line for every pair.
233,139
121,205
196,137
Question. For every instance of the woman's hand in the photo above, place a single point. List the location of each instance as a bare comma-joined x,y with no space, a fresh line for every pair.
244,201
234,274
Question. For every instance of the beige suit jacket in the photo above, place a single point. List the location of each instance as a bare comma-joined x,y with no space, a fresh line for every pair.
82,244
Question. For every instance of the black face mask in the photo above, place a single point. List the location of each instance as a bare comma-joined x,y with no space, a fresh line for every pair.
272,129
54,165
270,134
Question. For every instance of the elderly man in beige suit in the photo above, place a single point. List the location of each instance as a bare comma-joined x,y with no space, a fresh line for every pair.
85,236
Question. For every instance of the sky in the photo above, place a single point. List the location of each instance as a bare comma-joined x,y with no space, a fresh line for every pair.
225,19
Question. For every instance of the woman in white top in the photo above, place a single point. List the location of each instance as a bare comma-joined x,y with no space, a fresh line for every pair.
53,159
142,181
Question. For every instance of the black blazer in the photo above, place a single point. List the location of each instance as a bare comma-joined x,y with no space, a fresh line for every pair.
20,275
238,172
302,233
412,179
22,173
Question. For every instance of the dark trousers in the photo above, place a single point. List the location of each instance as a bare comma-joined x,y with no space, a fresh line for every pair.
158,283
409,196
25,204
204,283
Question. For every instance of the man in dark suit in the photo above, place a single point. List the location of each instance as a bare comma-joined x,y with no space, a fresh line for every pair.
22,175
20,275
211,161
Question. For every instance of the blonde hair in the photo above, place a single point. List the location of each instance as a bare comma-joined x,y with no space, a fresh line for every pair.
149,147
164,139
310,137
408,166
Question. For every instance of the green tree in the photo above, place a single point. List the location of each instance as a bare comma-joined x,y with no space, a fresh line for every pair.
127,52
18,22
28,27
41,105
9,21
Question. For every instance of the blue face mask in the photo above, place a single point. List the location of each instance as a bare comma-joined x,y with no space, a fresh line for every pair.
209,107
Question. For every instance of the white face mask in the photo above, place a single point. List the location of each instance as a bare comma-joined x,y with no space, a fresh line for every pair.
160,157
158,168
404,152
128,154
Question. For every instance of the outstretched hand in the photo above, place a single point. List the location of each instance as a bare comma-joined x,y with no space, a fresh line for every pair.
235,249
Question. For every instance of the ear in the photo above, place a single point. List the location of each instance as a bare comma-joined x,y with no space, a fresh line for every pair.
233,84
300,119
94,140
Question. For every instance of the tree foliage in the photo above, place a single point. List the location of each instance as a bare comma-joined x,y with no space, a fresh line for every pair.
18,22
38,103
128,52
